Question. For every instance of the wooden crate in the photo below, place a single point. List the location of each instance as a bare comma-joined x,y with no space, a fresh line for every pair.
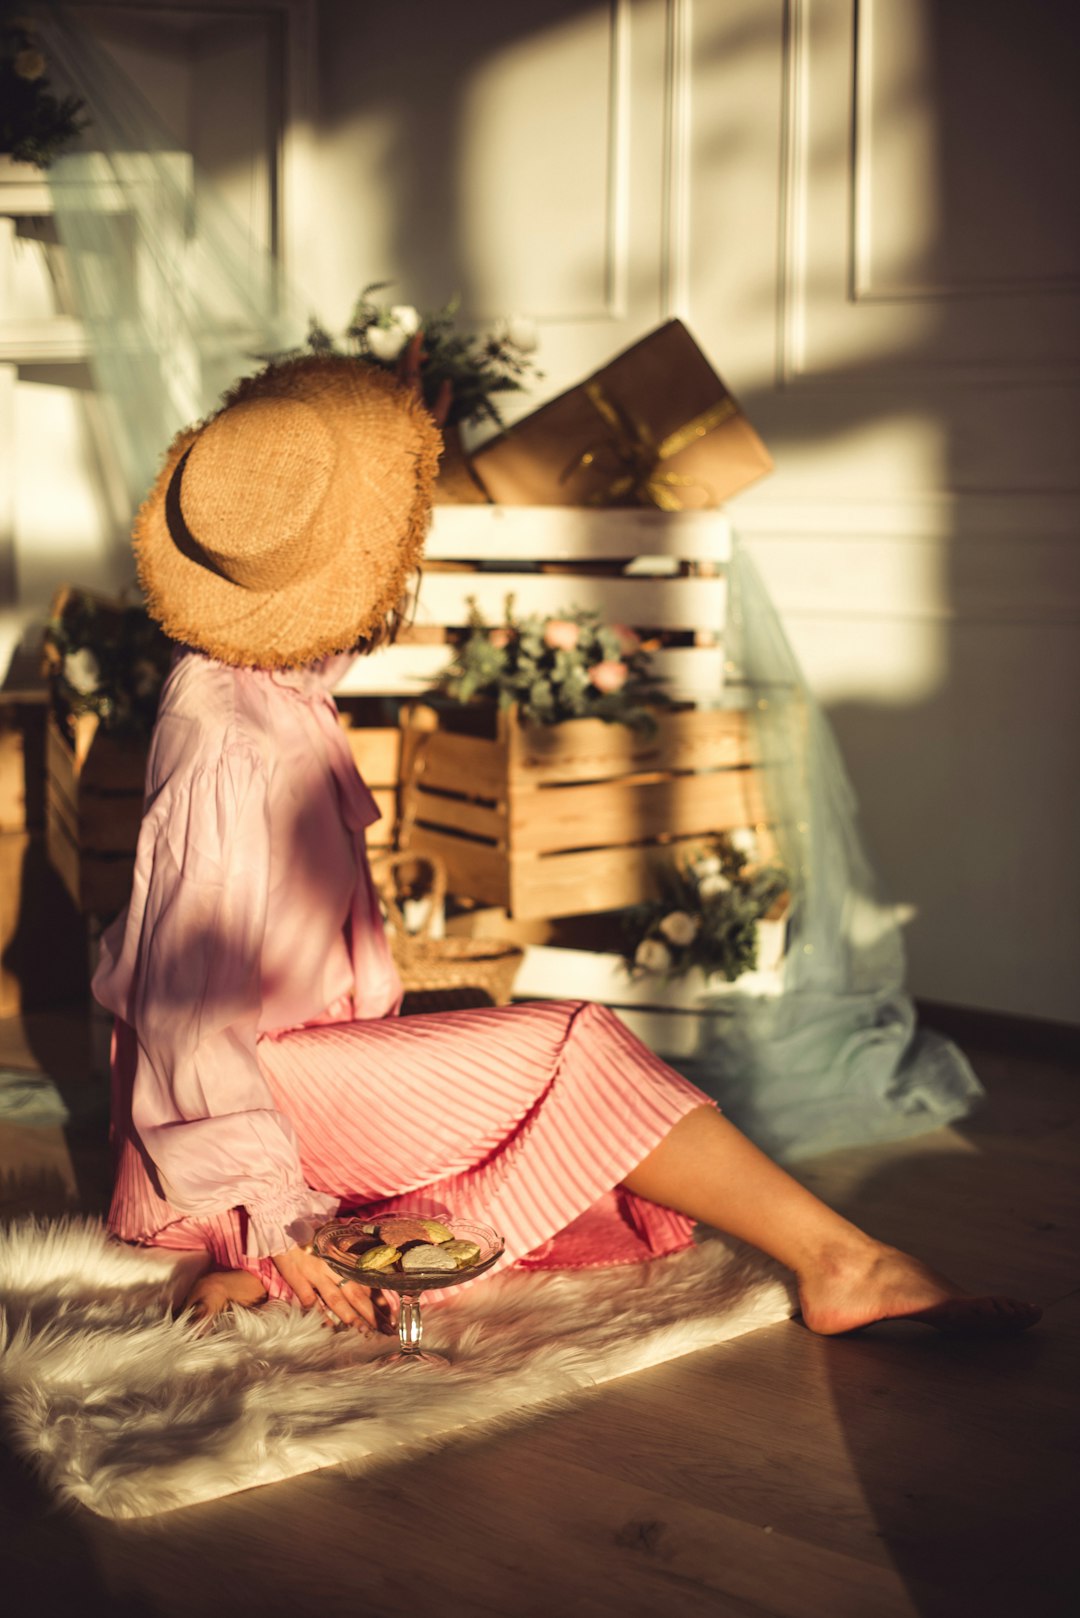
93,807
42,958
376,747
94,799
553,820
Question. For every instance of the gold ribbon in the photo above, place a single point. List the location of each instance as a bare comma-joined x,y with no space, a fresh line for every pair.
639,455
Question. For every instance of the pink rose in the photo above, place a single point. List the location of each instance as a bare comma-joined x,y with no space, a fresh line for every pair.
608,677
502,637
561,634
628,641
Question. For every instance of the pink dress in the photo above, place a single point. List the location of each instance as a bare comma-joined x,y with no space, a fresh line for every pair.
261,1078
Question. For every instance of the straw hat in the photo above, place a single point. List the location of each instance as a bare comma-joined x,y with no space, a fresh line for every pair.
285,527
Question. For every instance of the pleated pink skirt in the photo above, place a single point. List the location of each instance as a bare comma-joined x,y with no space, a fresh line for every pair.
526,1117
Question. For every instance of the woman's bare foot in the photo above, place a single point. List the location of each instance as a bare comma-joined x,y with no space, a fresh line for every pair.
215,1292
849,1290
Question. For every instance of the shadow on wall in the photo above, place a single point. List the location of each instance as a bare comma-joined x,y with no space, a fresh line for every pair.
963,781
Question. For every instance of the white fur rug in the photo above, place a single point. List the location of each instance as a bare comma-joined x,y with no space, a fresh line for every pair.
131,1412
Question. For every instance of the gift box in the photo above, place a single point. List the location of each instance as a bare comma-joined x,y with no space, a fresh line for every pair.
655,427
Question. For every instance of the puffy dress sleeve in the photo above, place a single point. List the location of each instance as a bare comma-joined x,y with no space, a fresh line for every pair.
190,957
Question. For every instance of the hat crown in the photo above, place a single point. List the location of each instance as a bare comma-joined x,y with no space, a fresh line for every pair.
251,485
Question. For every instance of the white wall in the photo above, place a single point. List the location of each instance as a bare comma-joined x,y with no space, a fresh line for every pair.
866,210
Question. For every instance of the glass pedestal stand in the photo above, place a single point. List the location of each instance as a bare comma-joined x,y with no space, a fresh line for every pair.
334,1242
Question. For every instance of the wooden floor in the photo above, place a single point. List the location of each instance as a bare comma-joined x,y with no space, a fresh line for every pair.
892,1473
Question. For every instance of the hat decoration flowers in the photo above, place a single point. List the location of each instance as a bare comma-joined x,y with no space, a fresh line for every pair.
710,900
35,124
573,666
468,368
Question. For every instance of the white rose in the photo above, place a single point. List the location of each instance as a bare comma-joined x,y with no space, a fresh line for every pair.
652,956
82,671
406,318
386,342
709,866
679,928
714,884
521,333
744,842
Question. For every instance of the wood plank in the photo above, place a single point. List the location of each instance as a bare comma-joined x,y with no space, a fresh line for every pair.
554,533
407,670
458,814
62,847
471,764
629,811
550,973
569,884
471,868
642,603
377,752
590,750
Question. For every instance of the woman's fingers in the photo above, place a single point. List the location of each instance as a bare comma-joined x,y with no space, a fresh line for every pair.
362,1302
351,1303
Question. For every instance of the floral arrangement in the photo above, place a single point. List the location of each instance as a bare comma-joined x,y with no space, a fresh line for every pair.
711,900
471,368
35,125
575,666
106,659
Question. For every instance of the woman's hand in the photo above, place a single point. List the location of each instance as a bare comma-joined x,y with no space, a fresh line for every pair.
215,1292
315,1283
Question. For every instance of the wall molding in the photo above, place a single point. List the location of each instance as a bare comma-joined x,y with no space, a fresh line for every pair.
803,32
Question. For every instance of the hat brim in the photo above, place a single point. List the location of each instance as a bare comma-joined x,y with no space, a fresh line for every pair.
369,535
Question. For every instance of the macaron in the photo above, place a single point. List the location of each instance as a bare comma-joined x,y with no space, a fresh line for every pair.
383,1257
433,1256
462,1252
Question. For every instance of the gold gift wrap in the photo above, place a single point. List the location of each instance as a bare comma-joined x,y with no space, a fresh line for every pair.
656,427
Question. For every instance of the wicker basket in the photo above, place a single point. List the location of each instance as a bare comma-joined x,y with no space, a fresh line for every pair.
443,974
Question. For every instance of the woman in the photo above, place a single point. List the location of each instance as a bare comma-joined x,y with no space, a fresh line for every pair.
261,1080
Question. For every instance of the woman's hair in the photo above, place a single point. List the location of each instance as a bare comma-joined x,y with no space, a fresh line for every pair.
399,617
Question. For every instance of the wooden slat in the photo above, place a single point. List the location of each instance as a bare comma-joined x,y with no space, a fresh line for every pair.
407,670
460,814
570,884
60,760
472,868
63,850
543,533
469,764
653,603
549,973
590,750
377,751
618,812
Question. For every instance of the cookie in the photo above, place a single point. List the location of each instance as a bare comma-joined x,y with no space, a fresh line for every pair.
398,1228
437,1232
427,1258
383,1257
462,1252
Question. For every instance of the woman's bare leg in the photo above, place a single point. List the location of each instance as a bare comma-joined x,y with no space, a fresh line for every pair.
707,1169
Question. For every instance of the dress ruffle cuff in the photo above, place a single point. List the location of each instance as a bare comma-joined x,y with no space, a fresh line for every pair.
279,1223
